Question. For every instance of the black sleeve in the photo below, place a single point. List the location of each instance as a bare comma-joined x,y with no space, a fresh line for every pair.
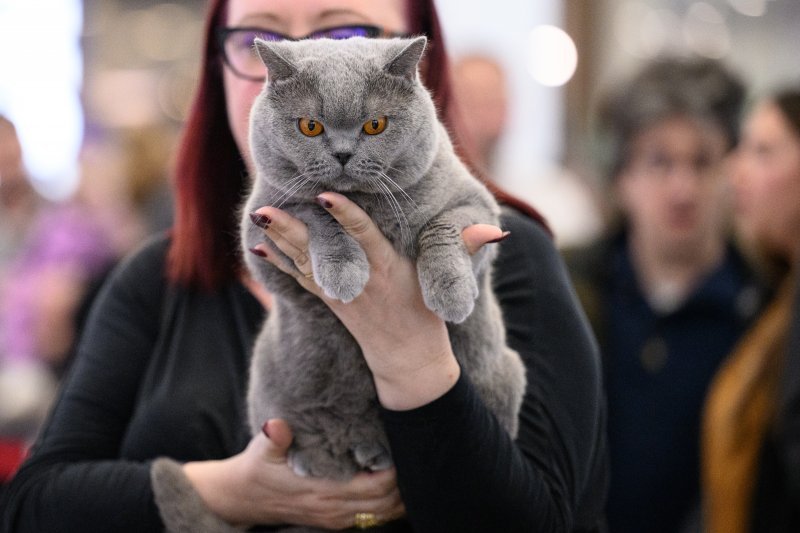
74,479
458,470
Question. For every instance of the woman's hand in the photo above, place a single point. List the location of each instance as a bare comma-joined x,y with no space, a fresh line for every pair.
405,344
258,487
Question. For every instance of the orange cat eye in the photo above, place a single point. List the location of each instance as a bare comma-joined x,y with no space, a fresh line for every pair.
310,127
375,126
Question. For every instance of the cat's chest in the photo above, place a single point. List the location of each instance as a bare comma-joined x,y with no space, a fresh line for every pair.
398,221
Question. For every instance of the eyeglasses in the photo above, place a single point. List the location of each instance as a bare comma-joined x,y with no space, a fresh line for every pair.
241,57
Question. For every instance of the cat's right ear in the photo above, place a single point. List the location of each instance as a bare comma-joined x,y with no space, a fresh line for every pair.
406,60
278,67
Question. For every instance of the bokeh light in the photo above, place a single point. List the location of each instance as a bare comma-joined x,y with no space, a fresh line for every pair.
553,56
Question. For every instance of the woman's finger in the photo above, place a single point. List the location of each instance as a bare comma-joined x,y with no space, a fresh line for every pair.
281,263
477,235
279,438
356,223
288,234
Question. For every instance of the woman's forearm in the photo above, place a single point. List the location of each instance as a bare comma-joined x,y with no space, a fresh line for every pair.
405,387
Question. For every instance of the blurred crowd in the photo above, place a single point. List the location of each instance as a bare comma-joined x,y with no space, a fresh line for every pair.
54,257
689,280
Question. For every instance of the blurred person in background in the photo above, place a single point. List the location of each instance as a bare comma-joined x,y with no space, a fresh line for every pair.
667,293
54,261
19,408
480,92
18,199
481,103
751,424
162,366
147,153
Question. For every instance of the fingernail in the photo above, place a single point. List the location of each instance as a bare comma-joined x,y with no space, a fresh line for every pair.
262,221
258,252
502,237
324,203
265,429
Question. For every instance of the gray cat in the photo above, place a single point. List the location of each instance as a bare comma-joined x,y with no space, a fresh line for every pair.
351,116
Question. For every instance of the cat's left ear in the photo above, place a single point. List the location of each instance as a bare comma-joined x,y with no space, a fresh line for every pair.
278,67
405,63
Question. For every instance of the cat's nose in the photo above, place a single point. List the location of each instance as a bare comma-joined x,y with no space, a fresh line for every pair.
343,157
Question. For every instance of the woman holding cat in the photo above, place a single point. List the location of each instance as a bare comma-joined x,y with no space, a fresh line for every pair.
163,365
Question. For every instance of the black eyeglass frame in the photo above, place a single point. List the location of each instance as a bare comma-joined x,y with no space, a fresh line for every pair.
371,32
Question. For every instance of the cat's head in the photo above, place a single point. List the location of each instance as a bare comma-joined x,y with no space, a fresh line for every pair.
343,112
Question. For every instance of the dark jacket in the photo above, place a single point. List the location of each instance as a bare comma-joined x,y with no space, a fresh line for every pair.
657,367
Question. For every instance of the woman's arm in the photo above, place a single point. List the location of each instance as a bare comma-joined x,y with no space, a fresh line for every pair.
553,477
74,480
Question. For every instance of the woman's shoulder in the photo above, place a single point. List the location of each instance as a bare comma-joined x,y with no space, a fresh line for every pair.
148,259
527,234
529,249
141,274
514,219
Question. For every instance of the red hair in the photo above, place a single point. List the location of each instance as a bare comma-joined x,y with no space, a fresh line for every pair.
211,178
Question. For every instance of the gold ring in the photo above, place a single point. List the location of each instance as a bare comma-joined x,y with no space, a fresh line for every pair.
366,520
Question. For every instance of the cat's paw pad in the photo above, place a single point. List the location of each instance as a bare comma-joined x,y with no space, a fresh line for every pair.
450,296
372,457
342,280
320,463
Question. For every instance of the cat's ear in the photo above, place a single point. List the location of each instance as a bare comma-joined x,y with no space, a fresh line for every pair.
405,63
278,66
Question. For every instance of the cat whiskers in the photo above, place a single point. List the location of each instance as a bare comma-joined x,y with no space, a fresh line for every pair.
397,208
296,183
398,187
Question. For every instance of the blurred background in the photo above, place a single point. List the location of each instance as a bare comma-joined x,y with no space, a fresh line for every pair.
96,91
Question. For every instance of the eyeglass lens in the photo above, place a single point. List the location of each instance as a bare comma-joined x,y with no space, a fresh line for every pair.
242,58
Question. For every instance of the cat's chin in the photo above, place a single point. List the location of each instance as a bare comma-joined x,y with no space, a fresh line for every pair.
343,183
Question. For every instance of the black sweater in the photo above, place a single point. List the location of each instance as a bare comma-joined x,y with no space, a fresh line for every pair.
162,371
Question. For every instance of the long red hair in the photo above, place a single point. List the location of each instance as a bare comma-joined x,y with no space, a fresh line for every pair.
211,178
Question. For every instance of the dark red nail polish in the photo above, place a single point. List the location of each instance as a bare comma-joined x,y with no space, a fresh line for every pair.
502,237
265,429
262,221
258,252
324,203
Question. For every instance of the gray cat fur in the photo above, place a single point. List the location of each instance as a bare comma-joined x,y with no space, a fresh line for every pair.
181,508
306,366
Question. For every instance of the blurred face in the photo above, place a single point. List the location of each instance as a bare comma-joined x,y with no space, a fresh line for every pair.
767,181
672,189
296,18
480,89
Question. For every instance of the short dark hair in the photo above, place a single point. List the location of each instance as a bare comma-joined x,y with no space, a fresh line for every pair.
668,87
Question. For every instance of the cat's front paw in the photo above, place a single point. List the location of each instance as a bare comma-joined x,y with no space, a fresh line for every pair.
372,456
319,462
342,279
449,295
